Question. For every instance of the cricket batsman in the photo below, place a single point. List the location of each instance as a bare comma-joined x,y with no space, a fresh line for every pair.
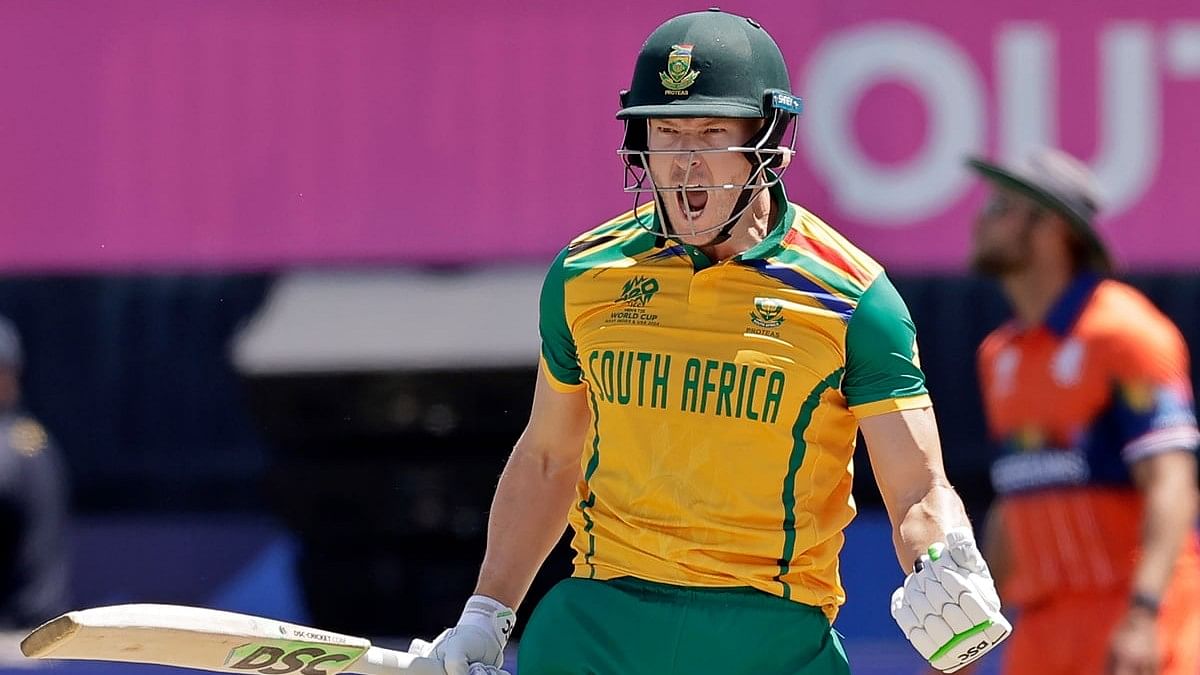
707,361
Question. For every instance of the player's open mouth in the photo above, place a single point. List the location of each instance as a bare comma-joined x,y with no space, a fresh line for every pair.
692,202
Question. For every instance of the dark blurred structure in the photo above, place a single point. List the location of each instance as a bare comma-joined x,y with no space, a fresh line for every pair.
33,503
387,479
132,374
385,475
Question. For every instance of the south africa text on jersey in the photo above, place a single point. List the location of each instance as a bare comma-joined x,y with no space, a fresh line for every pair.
702,386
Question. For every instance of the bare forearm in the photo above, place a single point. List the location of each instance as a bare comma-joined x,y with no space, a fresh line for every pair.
925,519
1170,515
527,519
907,459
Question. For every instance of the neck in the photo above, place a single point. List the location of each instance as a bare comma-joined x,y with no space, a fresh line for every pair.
1034,290
751,228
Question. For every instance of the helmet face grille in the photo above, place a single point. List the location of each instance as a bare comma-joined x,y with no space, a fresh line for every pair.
763,152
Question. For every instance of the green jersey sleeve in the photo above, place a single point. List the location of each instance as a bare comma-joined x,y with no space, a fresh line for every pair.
883,371
560,359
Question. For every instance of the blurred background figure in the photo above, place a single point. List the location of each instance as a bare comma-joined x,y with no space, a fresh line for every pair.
33,504
1087,393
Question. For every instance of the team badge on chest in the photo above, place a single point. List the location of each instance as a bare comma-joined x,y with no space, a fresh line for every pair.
766,317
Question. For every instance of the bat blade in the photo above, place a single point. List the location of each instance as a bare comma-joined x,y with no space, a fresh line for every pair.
214,640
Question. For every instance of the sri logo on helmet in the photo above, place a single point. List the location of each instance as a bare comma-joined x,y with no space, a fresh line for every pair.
679,74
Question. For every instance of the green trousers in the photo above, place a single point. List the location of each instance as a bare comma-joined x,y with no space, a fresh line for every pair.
633,627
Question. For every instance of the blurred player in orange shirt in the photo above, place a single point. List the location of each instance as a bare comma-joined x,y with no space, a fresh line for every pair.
1093,533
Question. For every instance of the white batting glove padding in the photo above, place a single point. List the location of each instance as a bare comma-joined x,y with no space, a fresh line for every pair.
949,609
476,645
419,647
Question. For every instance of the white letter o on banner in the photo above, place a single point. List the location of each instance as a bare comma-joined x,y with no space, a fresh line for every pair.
842,70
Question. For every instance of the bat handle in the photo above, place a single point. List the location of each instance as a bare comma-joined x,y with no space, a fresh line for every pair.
380,661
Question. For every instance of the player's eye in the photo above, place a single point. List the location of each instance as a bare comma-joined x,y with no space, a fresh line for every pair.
666,130
715,130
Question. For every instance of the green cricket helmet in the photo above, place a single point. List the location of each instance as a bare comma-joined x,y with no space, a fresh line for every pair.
710,64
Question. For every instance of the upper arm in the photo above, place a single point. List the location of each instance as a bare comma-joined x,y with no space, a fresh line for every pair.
1152,393
906,454
1174,471
559,356
883,372
559,419
885,388
558,424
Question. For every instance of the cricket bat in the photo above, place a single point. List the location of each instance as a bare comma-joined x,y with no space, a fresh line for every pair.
209,639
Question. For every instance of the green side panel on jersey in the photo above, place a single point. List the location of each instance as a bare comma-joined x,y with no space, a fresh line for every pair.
584,505
799,448
558,346
881,345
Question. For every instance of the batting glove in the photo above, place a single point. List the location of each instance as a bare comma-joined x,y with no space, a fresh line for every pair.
948,608
476,644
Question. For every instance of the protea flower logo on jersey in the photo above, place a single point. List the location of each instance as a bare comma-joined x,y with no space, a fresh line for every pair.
679,74
768,313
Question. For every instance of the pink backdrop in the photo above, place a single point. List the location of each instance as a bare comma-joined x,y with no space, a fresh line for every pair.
146,134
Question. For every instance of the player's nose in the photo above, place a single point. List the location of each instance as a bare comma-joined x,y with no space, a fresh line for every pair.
686,165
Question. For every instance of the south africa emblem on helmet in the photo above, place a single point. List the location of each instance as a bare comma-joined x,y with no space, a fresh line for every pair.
679,74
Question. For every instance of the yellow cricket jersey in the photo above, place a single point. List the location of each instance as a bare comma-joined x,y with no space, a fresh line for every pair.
724,400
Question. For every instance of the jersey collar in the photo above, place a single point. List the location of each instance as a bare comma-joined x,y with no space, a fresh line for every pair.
1066,310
